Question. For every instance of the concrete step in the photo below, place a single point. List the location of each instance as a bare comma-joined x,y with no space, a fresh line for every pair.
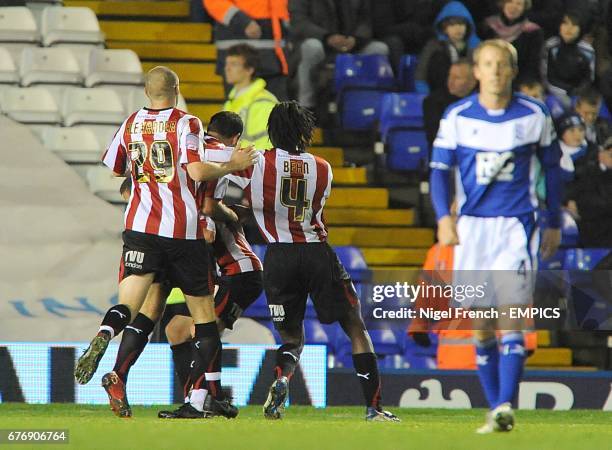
382,237
394,256
171,51
134,8
120,30
561,357
342,216
203,91
333,155
350,176
358,198
189,72
204,110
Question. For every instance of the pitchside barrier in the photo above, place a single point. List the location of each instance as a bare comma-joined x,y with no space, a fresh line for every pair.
43,373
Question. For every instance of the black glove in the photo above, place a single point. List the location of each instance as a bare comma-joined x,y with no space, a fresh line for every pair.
420,338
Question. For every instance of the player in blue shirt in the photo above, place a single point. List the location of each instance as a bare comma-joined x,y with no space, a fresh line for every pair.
491,140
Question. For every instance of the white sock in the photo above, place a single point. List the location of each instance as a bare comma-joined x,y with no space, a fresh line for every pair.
197,398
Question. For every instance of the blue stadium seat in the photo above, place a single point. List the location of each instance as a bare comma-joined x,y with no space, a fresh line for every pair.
401,129
259,309
360,82
260,251
363,71
418,357
406,73
353,261
314,333
584,258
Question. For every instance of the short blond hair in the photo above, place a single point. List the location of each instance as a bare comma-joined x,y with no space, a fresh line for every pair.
501,45
161,83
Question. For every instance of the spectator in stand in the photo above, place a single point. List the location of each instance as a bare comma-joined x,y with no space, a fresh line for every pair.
571,132
248,97
531,87
261,24
403,26
593,192
588,105
512,25
568,61
456,38
325,28
460,83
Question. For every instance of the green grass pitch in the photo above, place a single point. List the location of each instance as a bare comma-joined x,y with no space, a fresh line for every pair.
94,427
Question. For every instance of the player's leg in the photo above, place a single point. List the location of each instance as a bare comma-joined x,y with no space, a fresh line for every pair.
179,331
191,272
141,259
487,364
335,299
286,296
133,341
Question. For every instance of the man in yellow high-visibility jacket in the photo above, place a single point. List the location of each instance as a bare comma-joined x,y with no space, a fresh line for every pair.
248,97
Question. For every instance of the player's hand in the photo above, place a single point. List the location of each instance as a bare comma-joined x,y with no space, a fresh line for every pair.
253,30
336,41
551,238
243,212
243,158
421,338
447,231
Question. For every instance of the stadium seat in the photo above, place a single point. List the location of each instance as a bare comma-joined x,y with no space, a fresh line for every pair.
70,25
135,98
314,333
33,105
361,81
51,66
104,184
113,67
259,250
584,258
353,261
72,144
92,106
17,24
259,309
401,129
104,133
363,71
8,70
407,69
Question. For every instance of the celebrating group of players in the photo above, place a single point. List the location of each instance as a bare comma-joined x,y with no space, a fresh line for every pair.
490,140
179,175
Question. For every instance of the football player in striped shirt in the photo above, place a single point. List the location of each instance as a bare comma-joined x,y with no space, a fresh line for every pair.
492,140
287,189
162,149
241,284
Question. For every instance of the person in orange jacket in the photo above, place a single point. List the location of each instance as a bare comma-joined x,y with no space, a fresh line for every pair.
263,25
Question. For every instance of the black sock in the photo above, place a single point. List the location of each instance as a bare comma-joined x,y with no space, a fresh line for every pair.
287,357
206,346
182,357
366,367
115,320
133,341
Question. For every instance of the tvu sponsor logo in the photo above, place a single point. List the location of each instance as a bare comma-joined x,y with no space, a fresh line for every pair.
133,259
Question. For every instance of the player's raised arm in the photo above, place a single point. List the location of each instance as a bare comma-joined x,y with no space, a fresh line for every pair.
442,161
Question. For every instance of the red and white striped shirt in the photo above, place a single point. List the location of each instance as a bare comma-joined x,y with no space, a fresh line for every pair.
287,192
156,145
233,252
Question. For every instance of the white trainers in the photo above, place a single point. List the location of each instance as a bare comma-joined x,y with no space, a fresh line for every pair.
503,416
489,425
499,419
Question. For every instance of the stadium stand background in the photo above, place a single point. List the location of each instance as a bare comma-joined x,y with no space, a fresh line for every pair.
374,209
